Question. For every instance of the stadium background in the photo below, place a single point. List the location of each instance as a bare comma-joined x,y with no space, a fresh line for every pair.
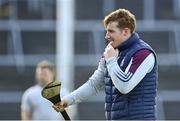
28,35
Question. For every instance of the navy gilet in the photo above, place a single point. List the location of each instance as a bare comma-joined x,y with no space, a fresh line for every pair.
139,103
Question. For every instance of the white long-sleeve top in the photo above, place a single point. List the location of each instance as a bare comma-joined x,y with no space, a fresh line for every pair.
141,63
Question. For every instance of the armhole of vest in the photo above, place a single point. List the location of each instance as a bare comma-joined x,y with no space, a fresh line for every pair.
144,49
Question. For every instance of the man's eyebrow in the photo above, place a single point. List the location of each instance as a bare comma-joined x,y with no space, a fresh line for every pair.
110,30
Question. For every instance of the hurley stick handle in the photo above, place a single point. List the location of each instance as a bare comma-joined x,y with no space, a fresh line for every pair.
64,114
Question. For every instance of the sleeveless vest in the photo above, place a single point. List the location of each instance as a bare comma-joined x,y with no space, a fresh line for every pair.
139,103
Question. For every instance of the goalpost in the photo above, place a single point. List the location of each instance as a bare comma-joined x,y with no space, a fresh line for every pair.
65,46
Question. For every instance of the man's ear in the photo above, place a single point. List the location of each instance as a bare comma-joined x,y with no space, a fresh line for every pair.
126,31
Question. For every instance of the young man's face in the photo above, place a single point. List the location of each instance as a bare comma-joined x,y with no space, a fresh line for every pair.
115,34
43,76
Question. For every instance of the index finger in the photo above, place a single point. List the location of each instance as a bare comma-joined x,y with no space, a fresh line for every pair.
55,108
110,44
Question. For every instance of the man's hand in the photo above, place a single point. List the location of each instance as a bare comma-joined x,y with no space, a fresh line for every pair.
60,107
110,52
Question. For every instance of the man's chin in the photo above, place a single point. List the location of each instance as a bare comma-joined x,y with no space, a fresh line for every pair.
113,45
42,84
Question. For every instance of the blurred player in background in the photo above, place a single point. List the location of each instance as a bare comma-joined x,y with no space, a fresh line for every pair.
127,71
34,106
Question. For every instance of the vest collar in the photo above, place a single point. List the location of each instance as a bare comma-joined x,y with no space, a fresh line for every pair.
133,39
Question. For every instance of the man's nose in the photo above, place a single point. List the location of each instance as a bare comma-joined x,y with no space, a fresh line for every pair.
107,36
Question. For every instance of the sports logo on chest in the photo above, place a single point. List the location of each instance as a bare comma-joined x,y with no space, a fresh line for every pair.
121,59
122,62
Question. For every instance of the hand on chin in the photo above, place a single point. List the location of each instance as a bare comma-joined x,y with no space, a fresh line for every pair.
110,51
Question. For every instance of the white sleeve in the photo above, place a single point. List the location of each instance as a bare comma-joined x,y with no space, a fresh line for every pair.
126,81
26,104
90,88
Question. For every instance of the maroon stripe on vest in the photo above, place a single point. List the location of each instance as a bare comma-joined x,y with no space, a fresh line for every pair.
138,58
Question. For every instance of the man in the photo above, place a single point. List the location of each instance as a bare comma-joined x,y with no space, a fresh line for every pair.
34,106
127,71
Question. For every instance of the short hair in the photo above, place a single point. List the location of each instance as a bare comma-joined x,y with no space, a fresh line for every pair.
123,17
49,65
